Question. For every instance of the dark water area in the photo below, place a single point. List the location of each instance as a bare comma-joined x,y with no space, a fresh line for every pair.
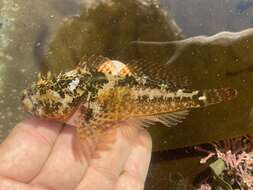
41,36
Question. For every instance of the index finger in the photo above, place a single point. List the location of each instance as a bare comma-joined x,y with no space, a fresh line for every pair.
104,170
27,148
136,168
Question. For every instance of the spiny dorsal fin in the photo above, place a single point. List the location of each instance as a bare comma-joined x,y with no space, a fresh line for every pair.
138,67
92,62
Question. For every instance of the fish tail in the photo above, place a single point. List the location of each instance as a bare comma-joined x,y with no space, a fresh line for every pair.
215,96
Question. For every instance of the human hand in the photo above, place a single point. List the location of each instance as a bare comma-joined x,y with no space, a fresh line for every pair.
41,155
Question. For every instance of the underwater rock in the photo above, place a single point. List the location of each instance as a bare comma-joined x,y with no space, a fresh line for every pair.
107,29
222,60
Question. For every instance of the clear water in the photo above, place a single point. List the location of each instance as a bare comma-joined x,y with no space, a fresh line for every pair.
37,36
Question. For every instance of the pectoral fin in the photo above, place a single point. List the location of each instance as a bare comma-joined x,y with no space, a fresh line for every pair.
168,119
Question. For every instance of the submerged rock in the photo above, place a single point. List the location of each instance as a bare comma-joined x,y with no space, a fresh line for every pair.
108,29
221,60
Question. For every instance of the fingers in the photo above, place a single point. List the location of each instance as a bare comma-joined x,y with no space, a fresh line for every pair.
104,171
65,167
124,166
46,155
136,167
9,184
27,148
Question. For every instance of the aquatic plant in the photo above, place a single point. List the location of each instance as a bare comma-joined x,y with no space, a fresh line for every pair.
233,166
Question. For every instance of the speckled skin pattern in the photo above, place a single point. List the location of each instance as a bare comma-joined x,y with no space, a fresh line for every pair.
104,91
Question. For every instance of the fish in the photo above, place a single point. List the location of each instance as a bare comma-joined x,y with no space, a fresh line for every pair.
100,92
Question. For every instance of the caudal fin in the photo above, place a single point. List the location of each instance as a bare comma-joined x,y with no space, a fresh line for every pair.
215,96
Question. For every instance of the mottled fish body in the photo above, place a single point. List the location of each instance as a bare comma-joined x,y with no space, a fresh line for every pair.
100,92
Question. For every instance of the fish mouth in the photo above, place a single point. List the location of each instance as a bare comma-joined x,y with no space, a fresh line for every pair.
27,102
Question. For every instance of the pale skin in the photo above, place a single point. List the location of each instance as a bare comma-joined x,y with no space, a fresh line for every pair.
46,155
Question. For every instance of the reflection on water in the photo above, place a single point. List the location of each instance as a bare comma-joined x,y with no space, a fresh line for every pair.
203,17
54,35
243,6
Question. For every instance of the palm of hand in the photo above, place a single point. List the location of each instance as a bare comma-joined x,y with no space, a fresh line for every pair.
40,155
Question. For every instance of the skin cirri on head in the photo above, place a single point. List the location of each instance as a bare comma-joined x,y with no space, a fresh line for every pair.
100,92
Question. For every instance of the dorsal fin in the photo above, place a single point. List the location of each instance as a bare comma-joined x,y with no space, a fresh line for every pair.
92,63
157,71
